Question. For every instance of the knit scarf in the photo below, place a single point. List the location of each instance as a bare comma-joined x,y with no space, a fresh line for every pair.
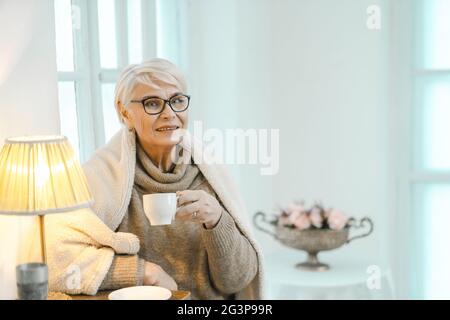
150,179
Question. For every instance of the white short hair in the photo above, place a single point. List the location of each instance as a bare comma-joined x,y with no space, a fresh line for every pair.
147,72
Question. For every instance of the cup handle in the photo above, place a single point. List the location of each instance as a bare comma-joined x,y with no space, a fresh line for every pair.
362,223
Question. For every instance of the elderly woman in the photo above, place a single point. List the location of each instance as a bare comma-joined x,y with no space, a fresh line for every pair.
207,249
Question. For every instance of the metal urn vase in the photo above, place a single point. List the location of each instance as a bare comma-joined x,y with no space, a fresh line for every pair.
313,241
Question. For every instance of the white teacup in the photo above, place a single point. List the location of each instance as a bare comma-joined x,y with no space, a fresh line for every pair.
160,208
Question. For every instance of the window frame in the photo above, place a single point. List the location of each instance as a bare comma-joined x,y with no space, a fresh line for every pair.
409,250
420,176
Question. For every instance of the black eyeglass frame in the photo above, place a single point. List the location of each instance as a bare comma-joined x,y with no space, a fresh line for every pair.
165,102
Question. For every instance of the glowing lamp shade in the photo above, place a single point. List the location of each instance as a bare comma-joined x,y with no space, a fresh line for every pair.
40,175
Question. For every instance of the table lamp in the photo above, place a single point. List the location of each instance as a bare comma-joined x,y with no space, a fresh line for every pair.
40,175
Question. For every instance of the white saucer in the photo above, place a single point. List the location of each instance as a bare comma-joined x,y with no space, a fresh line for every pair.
141,293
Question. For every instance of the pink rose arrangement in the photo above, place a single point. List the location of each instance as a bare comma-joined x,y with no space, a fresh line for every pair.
297,216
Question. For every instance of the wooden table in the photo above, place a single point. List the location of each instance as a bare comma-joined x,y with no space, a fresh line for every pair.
103,295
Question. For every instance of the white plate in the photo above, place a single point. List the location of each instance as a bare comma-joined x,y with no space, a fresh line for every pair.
141,293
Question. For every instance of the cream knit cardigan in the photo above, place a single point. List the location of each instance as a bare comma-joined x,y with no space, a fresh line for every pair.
82,245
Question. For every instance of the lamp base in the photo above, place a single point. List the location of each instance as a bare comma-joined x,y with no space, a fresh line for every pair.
42,235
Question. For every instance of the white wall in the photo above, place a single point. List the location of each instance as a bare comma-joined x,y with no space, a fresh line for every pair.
312,69
332,104
28,105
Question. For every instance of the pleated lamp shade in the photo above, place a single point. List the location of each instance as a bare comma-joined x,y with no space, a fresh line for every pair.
41,175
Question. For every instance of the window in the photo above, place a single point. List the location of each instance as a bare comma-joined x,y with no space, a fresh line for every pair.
430,170
95,39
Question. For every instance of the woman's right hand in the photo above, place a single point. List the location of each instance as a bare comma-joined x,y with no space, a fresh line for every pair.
154,275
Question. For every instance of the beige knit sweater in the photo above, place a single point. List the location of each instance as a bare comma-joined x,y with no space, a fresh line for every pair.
211,264
82,245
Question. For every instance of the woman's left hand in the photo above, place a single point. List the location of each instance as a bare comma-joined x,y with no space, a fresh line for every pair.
198,206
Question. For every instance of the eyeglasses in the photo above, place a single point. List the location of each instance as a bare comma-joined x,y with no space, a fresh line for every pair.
155,105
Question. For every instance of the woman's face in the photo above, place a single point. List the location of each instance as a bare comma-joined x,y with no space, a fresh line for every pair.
162,130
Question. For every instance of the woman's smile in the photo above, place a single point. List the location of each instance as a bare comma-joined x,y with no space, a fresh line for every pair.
167,128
